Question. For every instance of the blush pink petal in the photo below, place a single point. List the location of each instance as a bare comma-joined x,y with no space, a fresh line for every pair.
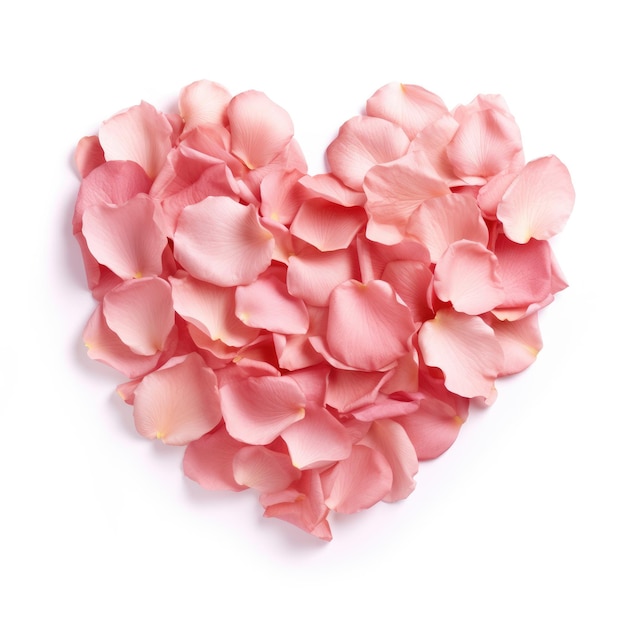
178,403
281,195
363,142
520,340
487,142
209,460
439,222
394,190
140,134
391,440
383,408
88,155
433,428
538,202
267,304
125,238
348,390
203,102
410,106
222,242
263,469
374,257
257,410
467,275
260,129
312,275
465,349
368,327
141,313
413,282
329,187
327,226
490,194
358,482
105,346
211,309
317,440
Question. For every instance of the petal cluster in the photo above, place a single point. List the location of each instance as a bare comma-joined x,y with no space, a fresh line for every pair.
314,337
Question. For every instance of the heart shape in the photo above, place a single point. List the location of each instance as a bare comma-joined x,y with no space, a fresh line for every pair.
313,337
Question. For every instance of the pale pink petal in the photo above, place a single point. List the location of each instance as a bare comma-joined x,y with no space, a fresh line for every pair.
125,238
374,257
363,142
410,106
317,440
203,102
413,282
260,129
520,341
222,242
105,346
179,402
490,194
433,428
487,142
439,222
211,309
141,313
405,375
302,505
348,390
358,482
267,304
312,275
329,187
88,155
263,469
465,349
385,407
281,195
538,202
394,190
391,440
140,134
209,460
468,276
257,410
327,226
368,327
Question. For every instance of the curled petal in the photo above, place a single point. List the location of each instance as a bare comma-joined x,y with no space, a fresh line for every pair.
260,129
538,202
465,349
203,102
89,155
179,402
257,410
329,187
222,242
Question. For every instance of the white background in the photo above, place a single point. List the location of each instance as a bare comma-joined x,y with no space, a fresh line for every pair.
521,522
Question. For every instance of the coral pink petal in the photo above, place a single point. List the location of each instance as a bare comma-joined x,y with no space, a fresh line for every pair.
312,275
487,142
538,202
203,102
433,428
348,390
413,282
465,349
329,187
392,441
209,460
263,469
368,327
358,482
363,142
140,134
410,106
374,257
394,190
467,275
222,242
257,410
178,403
125,238
520,340
211,309
317,440
267,304
439,222
88,155
141,313
260,129
327,226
